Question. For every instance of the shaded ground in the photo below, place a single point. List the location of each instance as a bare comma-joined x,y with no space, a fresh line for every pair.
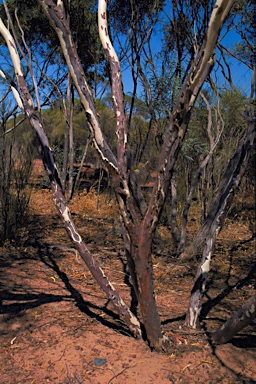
56,325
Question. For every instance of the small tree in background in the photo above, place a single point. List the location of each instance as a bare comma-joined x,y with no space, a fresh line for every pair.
15,171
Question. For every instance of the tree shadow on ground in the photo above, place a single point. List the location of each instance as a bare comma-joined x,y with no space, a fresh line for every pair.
244,341
23,301
19,302
20,299
239,341
211,303
86,307
173,320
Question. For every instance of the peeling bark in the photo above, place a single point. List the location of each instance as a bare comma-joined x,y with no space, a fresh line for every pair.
201,67
59,200
116,85
174,225
195,302
125,314
239,320
227,187
214,222
139,226
57,17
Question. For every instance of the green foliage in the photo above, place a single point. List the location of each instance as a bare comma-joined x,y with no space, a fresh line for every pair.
189,22
107,121
243,52
15,171
139,107
124,12
55,124
245,14
228,118
39,33
164,89
193,148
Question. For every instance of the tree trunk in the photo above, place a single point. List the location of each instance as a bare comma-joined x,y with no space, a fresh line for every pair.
195,302
221,204
64,170
76,184
149,312
70,111
131,270
174,224
224,196
59,200
240,319
214,222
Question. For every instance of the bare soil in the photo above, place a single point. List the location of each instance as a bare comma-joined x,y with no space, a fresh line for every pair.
57,326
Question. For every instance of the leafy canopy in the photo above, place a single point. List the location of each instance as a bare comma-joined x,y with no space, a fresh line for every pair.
39,33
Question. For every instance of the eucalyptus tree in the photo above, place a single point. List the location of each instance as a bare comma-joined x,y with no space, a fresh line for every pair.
15,171
139,217
138,226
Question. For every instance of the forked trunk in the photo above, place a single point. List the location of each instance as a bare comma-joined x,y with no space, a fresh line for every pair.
200,69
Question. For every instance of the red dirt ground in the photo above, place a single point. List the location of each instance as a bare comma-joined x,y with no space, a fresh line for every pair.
55,321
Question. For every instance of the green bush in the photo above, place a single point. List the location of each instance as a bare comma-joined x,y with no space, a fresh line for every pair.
15,171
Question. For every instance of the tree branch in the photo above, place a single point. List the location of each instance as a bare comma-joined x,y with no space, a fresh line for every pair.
57,17
58,198
201,68
116,82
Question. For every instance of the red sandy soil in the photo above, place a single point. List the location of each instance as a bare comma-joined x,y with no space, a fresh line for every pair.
55,321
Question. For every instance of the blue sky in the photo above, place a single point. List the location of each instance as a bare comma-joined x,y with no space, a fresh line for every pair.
241,74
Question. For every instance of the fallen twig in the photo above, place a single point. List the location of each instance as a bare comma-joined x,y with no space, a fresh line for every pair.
118,374
123,370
